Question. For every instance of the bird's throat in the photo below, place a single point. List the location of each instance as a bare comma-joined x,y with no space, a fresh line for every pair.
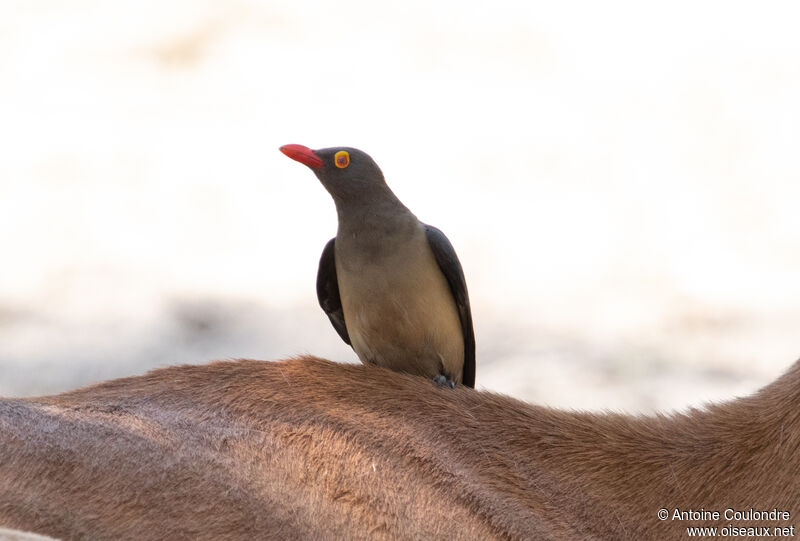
373,235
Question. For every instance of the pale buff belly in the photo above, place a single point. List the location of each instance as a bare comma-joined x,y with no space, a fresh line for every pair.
402,315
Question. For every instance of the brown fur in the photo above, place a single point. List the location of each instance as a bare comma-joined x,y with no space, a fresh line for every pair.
306,448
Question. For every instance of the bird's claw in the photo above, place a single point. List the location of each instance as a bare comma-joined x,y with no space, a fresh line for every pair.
442,381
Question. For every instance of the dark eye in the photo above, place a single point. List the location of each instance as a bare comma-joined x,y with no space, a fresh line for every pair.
341,159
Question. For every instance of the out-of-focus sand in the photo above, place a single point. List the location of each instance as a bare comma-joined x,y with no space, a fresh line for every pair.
621,182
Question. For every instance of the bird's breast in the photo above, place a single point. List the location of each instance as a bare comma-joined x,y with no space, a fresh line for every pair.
399,309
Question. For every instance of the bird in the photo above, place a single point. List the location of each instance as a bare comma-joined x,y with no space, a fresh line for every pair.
392,286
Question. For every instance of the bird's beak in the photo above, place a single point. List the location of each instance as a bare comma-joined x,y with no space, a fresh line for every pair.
303,155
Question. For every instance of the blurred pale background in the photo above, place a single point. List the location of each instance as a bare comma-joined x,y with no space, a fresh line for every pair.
621,182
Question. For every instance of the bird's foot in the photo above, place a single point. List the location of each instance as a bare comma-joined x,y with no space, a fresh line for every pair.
442,380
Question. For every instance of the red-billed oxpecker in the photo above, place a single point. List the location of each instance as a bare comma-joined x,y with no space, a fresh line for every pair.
392,286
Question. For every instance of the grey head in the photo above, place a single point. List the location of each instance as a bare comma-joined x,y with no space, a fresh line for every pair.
350,175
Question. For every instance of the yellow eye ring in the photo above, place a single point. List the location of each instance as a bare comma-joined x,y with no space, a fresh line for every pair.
341,159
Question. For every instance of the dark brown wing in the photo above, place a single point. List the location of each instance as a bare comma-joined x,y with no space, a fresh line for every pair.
328,290
450,266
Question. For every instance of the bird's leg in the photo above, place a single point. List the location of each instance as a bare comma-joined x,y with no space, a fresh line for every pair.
441,380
